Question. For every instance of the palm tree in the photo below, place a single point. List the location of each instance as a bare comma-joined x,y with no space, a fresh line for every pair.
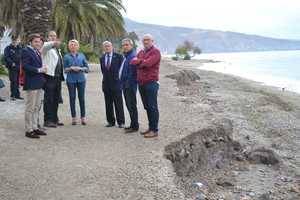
10,15
88,20
36,16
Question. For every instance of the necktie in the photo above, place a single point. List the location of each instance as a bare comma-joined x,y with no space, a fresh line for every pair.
107,64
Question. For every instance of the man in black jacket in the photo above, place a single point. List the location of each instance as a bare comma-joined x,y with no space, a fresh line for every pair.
111,85
12,57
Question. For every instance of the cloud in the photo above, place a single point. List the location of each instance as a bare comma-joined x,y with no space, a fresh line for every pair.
266,17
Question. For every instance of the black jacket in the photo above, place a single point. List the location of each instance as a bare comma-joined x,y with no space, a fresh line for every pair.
12,55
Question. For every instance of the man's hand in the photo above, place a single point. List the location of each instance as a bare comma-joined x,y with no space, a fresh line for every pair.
43,70
136,61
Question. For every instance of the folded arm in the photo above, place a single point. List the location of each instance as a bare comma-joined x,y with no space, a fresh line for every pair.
151,60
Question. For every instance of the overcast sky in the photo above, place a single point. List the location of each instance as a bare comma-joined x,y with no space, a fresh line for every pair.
276,18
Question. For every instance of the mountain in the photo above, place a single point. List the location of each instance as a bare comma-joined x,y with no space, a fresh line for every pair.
210,41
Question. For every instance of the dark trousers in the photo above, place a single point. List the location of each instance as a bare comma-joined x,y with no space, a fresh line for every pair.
80,88
130,100
52,98
14,83
149,93
113,99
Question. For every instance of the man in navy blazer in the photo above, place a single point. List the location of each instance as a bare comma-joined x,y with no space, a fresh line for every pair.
111,85
34,81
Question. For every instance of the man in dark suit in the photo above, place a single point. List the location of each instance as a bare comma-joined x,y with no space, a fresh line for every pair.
12,56
128,76
111,85
34,81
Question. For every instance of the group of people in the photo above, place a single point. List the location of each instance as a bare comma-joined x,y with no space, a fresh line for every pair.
41,69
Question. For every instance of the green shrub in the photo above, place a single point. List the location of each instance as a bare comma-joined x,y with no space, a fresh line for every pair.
176,58
187,57
3,70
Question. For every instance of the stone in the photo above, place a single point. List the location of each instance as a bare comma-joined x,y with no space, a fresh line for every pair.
295,189
224,182
265,196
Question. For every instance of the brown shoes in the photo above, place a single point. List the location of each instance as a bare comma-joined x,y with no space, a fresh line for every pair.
151,134
144,132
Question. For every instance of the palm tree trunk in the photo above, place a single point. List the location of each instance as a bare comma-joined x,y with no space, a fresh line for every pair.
36,16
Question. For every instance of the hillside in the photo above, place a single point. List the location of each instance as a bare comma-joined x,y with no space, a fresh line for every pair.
210,41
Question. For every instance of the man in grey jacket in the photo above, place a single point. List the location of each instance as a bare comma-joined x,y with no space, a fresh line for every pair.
52,58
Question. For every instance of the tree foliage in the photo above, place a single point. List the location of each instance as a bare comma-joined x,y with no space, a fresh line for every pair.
86,20
187,50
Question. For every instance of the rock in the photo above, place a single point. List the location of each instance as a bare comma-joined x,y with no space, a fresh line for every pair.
201,196
295,189
224,182
263,156
251,194
286,179
265,196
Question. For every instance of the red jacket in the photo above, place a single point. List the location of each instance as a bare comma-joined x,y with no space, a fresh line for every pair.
147,62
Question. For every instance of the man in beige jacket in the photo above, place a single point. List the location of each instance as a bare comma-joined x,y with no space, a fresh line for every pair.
52,58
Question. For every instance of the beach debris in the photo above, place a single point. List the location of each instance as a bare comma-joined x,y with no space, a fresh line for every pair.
224,182
185,77
263,156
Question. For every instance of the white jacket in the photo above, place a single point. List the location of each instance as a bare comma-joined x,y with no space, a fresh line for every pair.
50,57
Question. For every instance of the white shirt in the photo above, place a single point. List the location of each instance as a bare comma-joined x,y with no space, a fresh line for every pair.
50,57
110,58
121,68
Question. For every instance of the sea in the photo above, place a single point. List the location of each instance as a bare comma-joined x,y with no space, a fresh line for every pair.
274,68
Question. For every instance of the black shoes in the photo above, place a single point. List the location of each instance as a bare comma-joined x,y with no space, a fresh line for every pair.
40,132
35,134
59,124
131,130
121,126
19,98
50,125
2,100
109,125
32,135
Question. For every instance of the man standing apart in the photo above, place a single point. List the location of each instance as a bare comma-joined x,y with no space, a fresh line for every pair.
111,85
128,77
52,58
12,57
34,81
148,62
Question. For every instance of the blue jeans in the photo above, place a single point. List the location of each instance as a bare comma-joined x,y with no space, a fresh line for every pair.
80,87
149,93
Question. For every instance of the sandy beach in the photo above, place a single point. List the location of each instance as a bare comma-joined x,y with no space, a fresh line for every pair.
234,137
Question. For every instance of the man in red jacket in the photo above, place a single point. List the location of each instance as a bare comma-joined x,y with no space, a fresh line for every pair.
147,62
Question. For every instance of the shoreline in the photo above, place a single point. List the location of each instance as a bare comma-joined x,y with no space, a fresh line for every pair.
280,83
